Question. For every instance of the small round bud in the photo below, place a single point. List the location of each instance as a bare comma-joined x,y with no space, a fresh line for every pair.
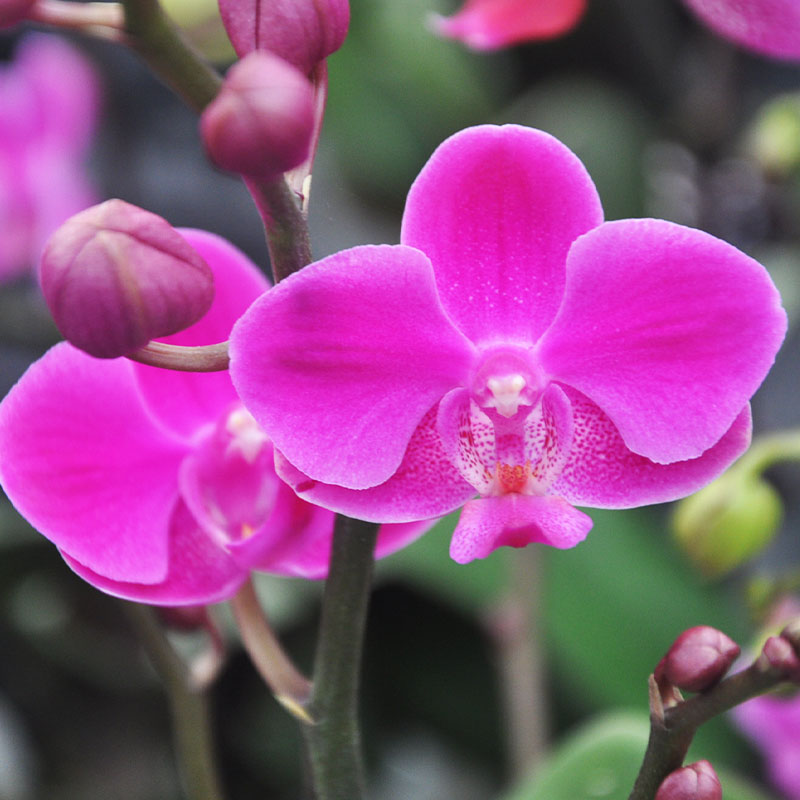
698,659
262,121
781,656
116,276
728,522
302,32
698,781
14,11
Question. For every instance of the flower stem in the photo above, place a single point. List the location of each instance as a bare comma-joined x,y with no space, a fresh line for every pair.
103,20
333,741
151,33
672,729
289,686
194,746
206,358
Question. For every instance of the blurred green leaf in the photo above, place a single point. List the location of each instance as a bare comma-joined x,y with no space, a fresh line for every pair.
600,762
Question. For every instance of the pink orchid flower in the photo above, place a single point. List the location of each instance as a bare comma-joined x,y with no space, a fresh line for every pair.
48,112
770,27
514,346
159,486
492,24
773,724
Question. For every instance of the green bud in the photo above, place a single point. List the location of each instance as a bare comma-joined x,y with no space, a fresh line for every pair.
728,522
774,137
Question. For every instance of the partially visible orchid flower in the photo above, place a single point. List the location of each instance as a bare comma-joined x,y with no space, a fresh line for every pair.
48,113
513,346
770,27
492,24
159,486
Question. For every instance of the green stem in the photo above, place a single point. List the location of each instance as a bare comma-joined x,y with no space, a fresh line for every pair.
285,226
333,740
194,745
160,43
672,729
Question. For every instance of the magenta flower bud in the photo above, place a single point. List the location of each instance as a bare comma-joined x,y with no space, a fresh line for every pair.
781,655
14,11
262,121
698,781
698,659
302,32
116,276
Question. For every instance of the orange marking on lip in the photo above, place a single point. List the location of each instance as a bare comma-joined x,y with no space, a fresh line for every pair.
513,478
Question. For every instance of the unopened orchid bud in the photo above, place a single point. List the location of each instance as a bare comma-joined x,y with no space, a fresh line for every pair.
14,11
302,32
728,522
781,656
262,121
116,276
698,659
698,781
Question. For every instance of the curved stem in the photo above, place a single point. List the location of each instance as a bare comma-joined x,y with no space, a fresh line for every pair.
151,33
191,723
333,741
289,686
672,729
207,358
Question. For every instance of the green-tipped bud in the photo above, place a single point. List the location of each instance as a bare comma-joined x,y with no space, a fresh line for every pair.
774,137
728,522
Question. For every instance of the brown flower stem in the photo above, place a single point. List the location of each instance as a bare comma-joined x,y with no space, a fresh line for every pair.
102,20
160,43
285,226
207,358
290,687
333,740
194,745
672,729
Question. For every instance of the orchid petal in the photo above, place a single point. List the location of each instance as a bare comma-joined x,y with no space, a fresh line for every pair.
491,24
425,485
771,27
548,437
496,210
340,386
184,401
602,472
516,520
668,330
87,467
199,571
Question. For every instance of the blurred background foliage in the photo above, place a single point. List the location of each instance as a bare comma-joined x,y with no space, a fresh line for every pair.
670,122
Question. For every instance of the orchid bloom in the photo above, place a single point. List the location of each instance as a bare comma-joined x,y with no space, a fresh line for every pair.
159,486
773,724
492,24
514,346
48,111
769,27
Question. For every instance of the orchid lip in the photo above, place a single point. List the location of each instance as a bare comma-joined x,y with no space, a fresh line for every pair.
507,377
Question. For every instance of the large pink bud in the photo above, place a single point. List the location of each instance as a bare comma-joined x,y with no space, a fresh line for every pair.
303,32
698,781
14,11
698,659
262,121
116,276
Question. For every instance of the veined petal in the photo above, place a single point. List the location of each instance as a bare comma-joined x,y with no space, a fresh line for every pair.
516,520
84,463
184,401
496,210
199,571
602,472
771,27
548,436
425,485
668,329
341,361
491,24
